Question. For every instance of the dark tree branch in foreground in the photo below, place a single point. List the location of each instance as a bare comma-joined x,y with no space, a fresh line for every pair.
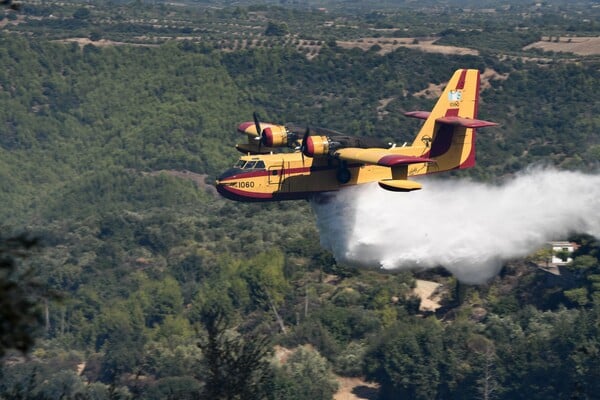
20,295
11,5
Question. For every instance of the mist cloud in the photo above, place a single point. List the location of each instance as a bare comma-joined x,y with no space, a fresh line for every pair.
469,228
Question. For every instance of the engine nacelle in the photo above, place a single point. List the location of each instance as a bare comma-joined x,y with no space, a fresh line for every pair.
317,146
276,136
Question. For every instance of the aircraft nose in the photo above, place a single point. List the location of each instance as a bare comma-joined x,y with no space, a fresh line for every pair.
224,187
229,174
227,190
221,187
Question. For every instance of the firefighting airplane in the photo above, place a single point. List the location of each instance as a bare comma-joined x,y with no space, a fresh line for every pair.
325,160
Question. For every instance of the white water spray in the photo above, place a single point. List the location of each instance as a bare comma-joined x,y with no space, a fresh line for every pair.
468,228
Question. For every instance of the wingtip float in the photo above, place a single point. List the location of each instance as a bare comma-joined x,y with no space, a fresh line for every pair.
325,160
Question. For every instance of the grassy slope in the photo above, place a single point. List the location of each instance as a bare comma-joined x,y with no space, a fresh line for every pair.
74,114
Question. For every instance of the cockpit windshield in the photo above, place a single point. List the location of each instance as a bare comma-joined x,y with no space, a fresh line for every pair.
242,164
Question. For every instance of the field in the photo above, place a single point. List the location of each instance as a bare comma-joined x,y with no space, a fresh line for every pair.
583,46
387,45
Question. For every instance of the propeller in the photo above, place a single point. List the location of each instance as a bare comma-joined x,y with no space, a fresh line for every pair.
304,142
259,131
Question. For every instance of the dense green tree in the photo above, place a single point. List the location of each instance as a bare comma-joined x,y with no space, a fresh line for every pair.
174,388
236,367
276,29
266,282
406,360
82,13
305,375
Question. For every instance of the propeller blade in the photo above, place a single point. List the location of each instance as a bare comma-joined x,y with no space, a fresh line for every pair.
258,129
305,137
304,140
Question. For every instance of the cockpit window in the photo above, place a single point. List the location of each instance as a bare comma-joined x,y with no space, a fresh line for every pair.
240,164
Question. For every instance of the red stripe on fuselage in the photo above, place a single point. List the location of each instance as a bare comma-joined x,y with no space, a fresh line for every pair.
461,80
245,175
470,161
284,171
451,112
242,195
252,197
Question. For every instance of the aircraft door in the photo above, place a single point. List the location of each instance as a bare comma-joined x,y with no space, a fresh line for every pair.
275,174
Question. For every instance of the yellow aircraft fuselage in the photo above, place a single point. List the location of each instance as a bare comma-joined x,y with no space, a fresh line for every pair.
290,176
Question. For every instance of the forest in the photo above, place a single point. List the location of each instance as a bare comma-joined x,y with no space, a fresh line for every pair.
132,279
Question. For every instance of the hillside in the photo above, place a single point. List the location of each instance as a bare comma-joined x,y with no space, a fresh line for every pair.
109,149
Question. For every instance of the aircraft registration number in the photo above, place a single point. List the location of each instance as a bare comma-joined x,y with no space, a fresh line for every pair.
246,185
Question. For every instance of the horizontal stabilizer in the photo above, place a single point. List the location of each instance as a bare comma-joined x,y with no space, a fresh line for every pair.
418,114
399,185
465,122
458,121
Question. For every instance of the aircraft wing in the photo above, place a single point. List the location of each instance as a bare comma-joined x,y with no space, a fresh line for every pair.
383,157
398,164
459,121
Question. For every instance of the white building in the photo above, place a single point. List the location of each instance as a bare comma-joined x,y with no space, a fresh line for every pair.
558,247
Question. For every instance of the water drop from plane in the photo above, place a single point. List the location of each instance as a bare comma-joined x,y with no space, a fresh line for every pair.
469,228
